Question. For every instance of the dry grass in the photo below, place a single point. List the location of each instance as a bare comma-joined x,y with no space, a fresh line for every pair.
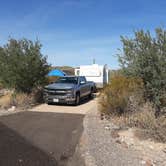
26,101
115,98
145,119
122,101
5,101
21,100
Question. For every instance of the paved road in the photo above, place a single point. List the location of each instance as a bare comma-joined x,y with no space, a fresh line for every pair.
44,136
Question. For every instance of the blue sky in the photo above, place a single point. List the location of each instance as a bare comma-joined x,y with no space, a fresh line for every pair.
73,32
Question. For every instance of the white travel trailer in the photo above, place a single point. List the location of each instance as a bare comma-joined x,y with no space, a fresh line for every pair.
96,73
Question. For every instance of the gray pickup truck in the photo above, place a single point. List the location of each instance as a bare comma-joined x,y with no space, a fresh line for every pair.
69,90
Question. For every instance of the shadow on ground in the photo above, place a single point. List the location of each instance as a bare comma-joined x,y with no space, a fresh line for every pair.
39,139
15,151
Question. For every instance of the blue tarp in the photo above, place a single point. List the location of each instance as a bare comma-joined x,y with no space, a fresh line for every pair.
56,72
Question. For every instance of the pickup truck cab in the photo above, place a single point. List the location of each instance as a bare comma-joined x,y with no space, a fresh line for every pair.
68,89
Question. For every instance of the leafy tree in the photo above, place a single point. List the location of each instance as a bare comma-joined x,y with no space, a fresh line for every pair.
22,66
144,56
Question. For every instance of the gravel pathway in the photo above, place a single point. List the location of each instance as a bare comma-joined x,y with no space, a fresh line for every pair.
99,149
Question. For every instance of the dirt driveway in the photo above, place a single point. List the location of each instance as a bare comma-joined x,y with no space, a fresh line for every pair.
82,109
45,135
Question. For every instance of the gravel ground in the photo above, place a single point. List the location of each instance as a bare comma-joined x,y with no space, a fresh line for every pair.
99,149
152,151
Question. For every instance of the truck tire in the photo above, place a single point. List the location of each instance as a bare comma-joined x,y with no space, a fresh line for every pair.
48,103
77,100
91,94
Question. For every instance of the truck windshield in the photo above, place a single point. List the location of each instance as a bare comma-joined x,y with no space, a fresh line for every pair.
68,80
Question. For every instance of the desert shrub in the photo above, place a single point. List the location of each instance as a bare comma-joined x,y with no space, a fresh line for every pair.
163,102
27,100
151,126
144,119
147,124
160,130
22,100
144,56
22,65
115,97
1,85
37,95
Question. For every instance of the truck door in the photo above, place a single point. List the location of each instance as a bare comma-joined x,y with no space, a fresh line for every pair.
83,87
87,87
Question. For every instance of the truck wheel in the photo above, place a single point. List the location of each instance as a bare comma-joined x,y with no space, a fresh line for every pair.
91,94
77,100
48,103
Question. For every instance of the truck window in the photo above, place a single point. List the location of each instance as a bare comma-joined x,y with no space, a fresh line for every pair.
83,79
69,80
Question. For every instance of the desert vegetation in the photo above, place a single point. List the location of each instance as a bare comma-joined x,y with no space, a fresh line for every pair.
23,71
136,94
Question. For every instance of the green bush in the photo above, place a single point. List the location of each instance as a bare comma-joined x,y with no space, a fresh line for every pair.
1,86
144,56
116,96
22,66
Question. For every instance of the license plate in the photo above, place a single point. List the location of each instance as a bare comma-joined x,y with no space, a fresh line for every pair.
56,100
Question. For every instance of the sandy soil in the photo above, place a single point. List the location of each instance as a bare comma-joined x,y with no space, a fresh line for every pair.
83,108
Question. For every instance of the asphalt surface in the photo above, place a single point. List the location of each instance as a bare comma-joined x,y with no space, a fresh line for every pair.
39,138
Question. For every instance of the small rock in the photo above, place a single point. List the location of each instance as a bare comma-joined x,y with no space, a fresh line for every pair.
20,160
87,153
151,147
107,127
130,143
118,141
122,139
143,162
51,153
13,108
116,127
